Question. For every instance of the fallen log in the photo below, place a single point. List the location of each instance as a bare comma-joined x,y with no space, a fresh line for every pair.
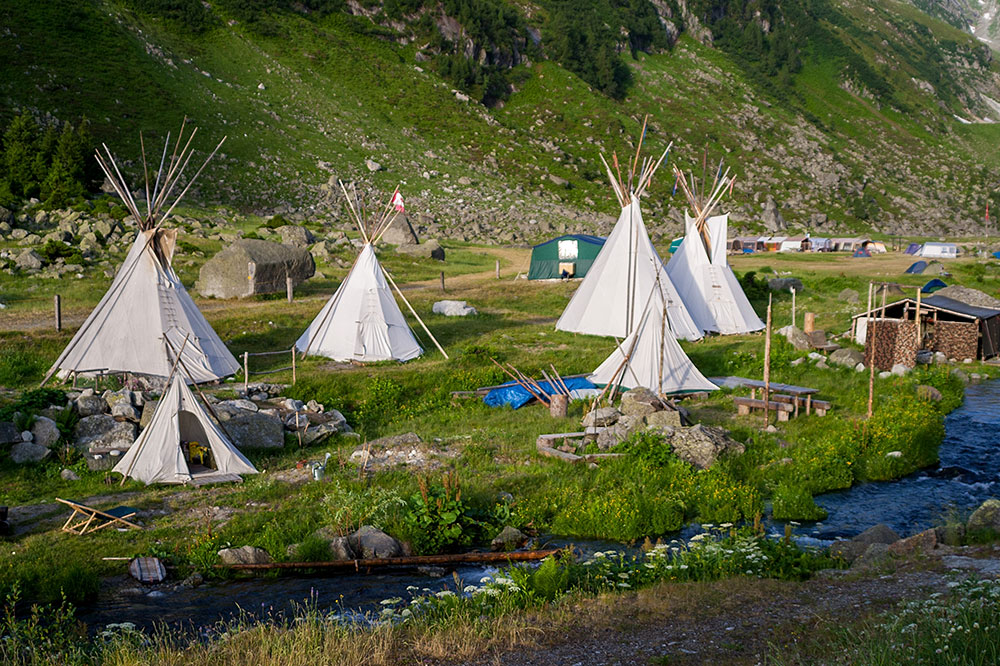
412,561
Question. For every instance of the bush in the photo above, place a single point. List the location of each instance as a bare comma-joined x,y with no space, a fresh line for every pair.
648,446
795,503
438,519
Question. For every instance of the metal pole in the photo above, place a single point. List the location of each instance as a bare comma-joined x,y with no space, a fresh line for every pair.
58,306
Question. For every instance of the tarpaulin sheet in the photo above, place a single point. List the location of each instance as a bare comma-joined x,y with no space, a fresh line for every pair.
517,396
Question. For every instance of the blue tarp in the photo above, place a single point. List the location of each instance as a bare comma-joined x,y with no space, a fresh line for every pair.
933,286
996,255
516,396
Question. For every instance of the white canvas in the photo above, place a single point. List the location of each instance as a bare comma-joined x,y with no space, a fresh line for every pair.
157,457
145,304
603,304
361,321
707,284
656,360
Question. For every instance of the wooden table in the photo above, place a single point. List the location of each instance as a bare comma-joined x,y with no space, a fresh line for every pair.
776,387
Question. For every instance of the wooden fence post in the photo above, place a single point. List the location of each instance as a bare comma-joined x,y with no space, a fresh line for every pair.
58,306
767,364
793,306
442,282
289,288
246,372
498,269
293,367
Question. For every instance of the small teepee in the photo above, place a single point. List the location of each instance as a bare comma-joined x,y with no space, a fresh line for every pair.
361,321
147,304
699,268
609,300
179,432
651,357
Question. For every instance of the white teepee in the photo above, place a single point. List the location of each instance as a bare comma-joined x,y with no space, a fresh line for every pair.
361,321
610,299
700,270
158,455
651,357
147,304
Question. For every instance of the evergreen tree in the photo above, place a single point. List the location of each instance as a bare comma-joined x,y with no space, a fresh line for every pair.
68,171
20,143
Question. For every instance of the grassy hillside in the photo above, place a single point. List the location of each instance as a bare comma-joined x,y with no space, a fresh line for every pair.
864,131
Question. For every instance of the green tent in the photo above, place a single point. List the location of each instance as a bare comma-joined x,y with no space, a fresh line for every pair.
566,256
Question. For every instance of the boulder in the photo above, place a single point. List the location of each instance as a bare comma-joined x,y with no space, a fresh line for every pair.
880,533
849,296
369,542
453,308
702,445
249,267
796,337
847,550
640,401
962,377
244,555
785,284
148,409
929,393
9,433
123,410
508,539
899,369
921,543
668,418
28,452
848,358
28,260
45,431
101,431
400,232
604,416
89,405
874,556
69,475
428,249
232,405
296,236
254,430
986,517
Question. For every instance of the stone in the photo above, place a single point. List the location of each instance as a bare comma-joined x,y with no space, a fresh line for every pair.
964,378
101,431
314,407
702,445
508,539
28,452
148,409
340,549
640,401
849,296
604,416
69,475
846,357
884,374
244,555
556,180
921,543
369,542
951,534
400,232
880,533
296,236
668,418
249,267
771,215
900,370
254,430
193,581
45,431
26,436
29,260
123,410
785,284
373,166
9,434
929,393
847,550
874,556
428,249
231,405
796,337
985,518
453,308
860,367
293,405
89,405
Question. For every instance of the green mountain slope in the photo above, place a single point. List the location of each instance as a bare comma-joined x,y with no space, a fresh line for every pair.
860,124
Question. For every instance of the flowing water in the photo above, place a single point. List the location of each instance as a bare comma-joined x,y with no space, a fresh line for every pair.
967,474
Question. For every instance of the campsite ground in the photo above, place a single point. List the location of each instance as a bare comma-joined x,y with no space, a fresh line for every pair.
491,451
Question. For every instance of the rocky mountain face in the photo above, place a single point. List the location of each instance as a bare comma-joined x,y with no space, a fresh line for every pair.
980,18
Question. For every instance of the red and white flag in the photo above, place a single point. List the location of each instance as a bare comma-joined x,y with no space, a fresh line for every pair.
397,201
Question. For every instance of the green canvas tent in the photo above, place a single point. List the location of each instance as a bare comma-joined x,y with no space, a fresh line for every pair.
566,256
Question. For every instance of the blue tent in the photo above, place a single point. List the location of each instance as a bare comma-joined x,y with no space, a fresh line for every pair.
914,248
933,286
917,267
861,252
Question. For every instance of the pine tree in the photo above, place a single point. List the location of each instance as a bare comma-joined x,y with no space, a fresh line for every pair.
20,144
68,171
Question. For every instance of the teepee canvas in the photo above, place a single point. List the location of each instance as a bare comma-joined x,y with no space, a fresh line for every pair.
610,299
147,305
361,321
163,453
700,270
651,357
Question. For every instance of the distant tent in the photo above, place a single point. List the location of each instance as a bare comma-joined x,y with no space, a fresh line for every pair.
917,268
675,244
935,267
609,300
792,244
179,431
700,269
996,255
361,321
565,256
651,357
861,252
933,286
912,248
819,244
147,305
939,250
876,247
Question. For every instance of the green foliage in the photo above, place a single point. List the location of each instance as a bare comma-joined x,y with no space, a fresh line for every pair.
578,36
33,401
383,402
19,367
437,517
795,503
351,505
47,634
648,446
39,163
755,287
54,249
313,549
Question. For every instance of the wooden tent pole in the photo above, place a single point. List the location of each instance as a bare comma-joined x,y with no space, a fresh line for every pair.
917,317
767,363
426,330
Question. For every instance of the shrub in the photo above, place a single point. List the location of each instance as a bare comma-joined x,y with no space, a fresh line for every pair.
438,518
350,507
795,503
648,446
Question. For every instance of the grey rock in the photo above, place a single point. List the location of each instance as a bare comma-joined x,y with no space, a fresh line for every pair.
428,249
251,430
796,337
193,581
771,216
148,409
849,296
846,357
612,436
604,416
556,180
640,401
785,284
250,266
45,431
453,308
293,405
373,166
28,452
340,549
925,392
296,236
880,533
29,260
508,539
244,555
101,431
9,433
314,407
229,405
900,370
986,517
964,378
124,410
702,445
884,374
400,232
369,542
69,475
847,550
875,555
26,436
668,418
89,405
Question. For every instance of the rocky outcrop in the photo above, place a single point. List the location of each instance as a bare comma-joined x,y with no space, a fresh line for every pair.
101,432
249,267
430,249
254,430
45,431
370,542
702,445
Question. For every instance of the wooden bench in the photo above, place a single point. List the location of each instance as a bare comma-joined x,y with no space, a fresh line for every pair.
818,406
744,405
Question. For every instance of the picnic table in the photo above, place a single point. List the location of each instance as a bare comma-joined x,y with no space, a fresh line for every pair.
798,394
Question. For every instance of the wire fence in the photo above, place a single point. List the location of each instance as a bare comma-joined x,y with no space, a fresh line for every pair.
269,371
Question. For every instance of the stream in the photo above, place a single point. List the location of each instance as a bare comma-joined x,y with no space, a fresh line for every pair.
965,477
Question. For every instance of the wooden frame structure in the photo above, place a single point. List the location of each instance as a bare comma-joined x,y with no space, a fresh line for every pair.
85,523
